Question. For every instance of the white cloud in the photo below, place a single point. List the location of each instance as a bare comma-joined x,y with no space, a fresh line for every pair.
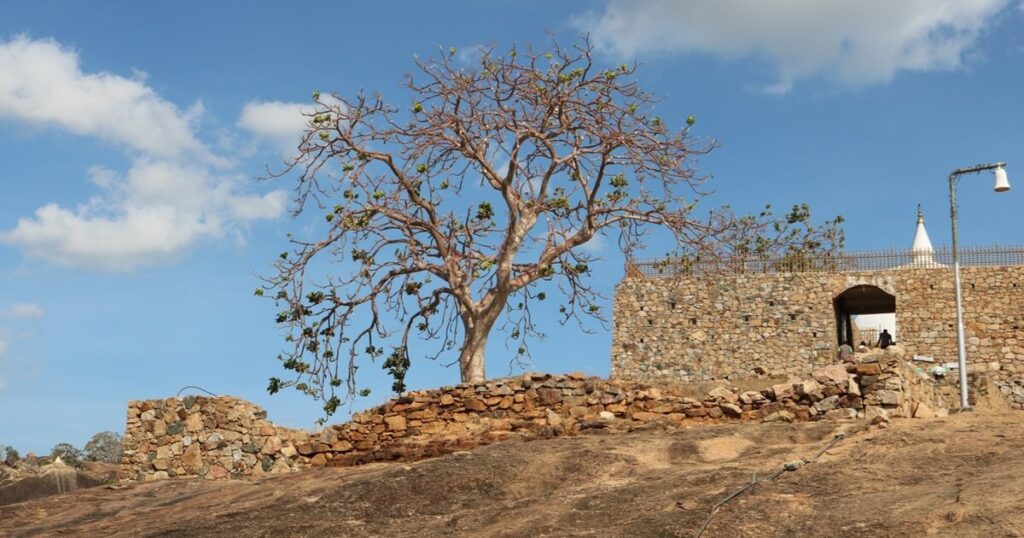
42,84
22,311
277,122
851,42
175,194
154,213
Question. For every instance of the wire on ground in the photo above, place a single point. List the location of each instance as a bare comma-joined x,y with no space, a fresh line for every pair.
788,466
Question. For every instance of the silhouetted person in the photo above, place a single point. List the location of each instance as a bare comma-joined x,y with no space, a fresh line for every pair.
884,339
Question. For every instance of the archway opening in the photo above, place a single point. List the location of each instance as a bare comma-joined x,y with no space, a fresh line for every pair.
862,312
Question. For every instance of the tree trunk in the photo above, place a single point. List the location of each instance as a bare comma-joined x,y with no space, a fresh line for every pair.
478,329
471,360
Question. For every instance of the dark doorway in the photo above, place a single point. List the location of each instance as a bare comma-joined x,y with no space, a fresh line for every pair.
856,301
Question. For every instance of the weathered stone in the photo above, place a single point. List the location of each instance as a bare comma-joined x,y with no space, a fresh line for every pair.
723,394
841,414
218,472
835,375
809,389
875,415
780,416
853,402
578,411
395,423
616,408
853,388
192,459
194,423
272,446
923,411
869,369
311,448
731,410
783,391
889,397
827,404
175,428
280,466
474,404
549,396
750,397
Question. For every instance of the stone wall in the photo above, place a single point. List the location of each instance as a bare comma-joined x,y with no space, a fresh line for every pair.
225,437
731,326
211,438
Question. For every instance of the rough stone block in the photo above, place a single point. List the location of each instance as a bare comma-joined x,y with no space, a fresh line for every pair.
549,396
731,410
835,375
395,423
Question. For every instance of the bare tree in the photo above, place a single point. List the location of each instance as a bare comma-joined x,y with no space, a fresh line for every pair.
468,205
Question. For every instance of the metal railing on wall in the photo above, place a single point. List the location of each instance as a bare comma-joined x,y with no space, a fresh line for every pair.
842,262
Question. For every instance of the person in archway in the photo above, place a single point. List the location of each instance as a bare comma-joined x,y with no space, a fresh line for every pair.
884,339
845,353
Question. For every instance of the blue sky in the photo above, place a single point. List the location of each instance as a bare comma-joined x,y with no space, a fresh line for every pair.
132,228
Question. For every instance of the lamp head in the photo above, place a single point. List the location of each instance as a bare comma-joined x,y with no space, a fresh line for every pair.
1002,184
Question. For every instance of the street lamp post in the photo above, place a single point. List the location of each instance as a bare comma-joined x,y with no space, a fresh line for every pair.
1002,185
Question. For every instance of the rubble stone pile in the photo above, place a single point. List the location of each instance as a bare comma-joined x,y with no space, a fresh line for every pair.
225,437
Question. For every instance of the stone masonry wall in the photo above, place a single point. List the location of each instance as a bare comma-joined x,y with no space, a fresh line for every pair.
217,438
735,326
207,437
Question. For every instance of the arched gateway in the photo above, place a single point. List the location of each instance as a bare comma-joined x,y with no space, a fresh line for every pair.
857,301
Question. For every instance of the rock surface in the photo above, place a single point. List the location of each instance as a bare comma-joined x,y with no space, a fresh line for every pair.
906,480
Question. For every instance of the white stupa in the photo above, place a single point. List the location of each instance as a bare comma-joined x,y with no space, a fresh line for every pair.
921,251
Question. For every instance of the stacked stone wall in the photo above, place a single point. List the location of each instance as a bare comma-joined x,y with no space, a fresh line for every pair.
217,438
733,326
213,438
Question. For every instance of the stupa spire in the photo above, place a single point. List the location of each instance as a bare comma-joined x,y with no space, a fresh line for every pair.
921,249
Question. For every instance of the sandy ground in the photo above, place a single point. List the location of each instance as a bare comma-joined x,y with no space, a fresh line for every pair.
955,476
